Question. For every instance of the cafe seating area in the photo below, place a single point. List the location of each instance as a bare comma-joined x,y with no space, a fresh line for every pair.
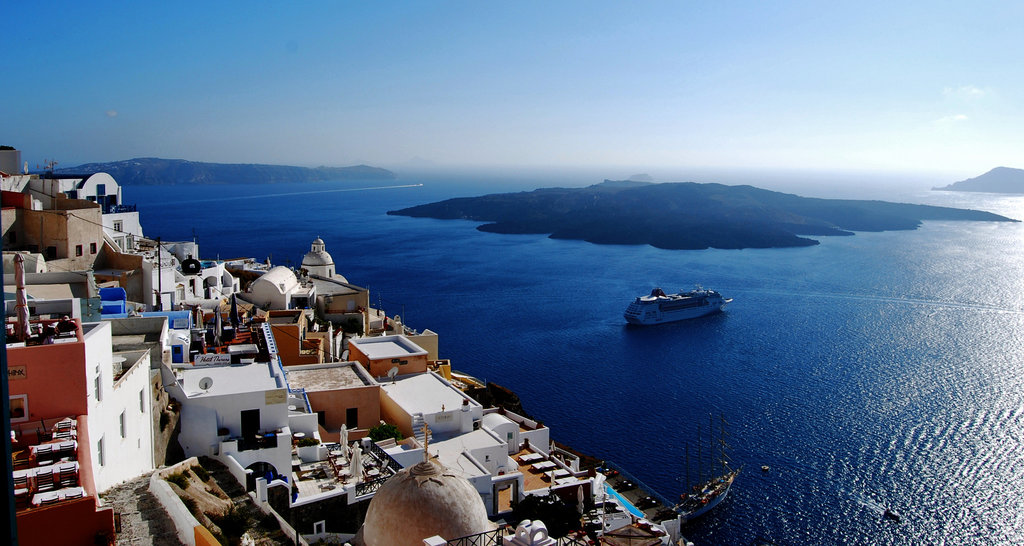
47,472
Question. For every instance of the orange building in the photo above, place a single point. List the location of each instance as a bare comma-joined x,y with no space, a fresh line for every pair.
380,354
296,343
54,474
340,394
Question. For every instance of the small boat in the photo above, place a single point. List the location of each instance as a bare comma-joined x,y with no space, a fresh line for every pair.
707,493
892,514
660,307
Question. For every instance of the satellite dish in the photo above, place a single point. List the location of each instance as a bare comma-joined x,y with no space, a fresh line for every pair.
392,373
344,355
205,383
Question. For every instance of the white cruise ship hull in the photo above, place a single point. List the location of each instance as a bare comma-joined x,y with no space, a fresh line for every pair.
660,308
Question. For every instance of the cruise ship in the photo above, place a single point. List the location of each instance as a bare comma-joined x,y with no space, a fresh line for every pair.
660,307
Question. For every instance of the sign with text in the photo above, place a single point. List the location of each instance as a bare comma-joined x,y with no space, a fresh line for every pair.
213,360
17,372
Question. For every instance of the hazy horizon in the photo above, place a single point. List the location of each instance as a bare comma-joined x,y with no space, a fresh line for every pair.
666,87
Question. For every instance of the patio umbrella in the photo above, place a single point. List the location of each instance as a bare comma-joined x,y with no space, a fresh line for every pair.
357,463
343,436
234,313
198,311
22,334
217,326
579,500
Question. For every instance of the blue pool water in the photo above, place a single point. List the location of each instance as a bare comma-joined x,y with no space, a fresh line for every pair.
625,503
872,371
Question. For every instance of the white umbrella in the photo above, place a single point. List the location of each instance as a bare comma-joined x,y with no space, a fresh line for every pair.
217,326
579,499
343,437
357,463
23,333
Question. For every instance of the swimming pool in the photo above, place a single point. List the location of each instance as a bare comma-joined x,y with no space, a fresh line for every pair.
622,500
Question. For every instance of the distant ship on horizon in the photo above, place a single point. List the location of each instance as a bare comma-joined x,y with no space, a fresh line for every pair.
659,307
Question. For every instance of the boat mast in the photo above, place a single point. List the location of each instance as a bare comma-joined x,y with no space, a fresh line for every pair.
711,445
700,471
688,465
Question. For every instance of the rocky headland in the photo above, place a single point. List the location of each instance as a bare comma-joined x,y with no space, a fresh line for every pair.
685,215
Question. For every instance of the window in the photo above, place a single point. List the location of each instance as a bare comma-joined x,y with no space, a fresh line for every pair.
98,383
99,452
352,418
101,189
14,237
321,418
78,250
118,225
92,248
142,401
19,408
124,429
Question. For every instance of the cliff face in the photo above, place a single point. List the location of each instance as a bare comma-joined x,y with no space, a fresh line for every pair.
998,180
684,215
155,171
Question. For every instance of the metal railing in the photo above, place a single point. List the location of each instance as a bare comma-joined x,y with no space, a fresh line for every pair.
497,538
370,487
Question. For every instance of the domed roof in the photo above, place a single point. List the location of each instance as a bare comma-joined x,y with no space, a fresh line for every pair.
317,255
423,501
280,278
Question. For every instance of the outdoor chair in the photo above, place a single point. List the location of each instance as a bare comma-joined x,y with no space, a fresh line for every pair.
44,481
68,477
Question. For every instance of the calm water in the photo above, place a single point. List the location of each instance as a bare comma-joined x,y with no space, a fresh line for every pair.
883,369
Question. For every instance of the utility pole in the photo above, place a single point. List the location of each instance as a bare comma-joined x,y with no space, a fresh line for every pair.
159,278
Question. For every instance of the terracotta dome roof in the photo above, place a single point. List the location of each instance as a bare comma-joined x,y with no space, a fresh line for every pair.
423,501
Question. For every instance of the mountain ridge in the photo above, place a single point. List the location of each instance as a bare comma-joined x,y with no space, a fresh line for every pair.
149,171
997,180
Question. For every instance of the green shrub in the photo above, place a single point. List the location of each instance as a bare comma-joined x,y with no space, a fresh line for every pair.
306,442
201,473
179,479
384,431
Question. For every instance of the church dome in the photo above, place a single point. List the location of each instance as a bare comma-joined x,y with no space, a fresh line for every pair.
317,261
423,501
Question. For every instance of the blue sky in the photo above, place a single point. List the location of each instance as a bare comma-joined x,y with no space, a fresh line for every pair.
870,86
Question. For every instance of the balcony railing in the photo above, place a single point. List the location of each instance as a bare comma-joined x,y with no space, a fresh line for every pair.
113,209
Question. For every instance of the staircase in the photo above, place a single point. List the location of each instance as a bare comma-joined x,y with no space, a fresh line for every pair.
419,428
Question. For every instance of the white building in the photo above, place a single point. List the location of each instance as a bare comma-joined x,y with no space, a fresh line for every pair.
280,289
120,413
238,414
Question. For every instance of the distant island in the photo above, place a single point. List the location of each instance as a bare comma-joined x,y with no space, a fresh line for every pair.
684,215
998,180
152,171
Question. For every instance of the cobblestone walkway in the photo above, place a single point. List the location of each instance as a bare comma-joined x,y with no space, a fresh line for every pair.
143,520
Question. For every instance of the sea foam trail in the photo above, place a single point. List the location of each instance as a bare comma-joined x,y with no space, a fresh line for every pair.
286,194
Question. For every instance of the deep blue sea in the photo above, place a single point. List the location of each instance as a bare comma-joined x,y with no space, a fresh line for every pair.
881,369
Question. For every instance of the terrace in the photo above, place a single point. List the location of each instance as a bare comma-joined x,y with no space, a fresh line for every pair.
45,460
329,469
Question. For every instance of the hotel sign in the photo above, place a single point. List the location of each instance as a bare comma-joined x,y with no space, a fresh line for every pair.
212,360
17,372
